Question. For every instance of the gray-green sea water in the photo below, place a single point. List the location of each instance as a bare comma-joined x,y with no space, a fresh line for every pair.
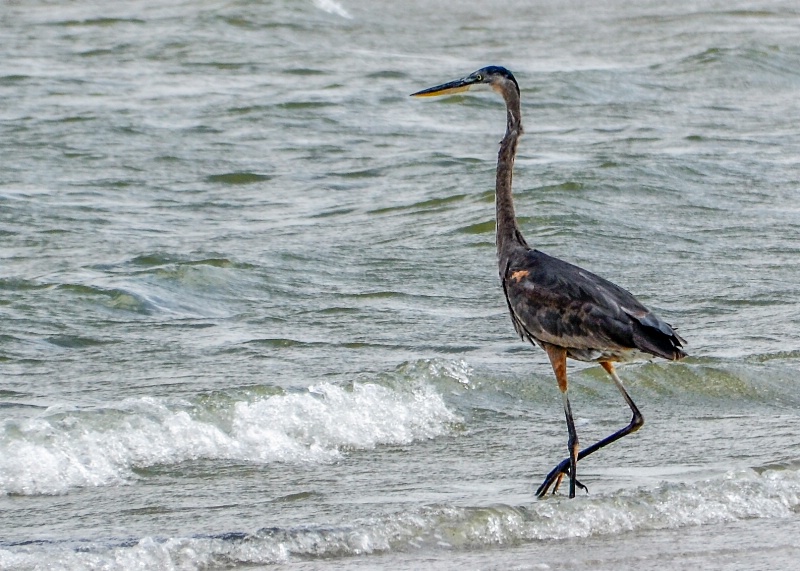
249,307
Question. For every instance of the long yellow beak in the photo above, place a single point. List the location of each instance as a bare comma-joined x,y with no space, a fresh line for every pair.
457,86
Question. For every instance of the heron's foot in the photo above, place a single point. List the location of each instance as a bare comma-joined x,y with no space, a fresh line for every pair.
554,479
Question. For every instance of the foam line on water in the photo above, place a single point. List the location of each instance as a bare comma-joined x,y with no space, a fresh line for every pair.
735,496
59,450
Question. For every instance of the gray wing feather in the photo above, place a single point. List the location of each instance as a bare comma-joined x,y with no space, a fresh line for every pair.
556,302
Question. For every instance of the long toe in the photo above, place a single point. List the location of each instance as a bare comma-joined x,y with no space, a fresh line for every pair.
554,479
557,484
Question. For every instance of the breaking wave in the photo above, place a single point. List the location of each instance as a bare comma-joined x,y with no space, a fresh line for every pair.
60,450
748,494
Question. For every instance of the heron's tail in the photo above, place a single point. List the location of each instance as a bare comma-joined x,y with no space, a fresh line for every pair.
657,337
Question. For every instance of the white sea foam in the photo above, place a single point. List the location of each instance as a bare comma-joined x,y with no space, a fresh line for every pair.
729,498
332,7
62,450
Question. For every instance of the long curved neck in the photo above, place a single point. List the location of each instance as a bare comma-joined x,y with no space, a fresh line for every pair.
509,237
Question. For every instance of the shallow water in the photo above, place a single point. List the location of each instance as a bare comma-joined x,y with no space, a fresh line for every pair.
250,312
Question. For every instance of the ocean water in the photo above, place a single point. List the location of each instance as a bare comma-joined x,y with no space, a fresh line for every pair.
249,308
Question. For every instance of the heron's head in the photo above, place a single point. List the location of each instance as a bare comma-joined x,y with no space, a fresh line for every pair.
492,77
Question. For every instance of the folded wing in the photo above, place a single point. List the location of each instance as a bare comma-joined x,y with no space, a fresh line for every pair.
556,302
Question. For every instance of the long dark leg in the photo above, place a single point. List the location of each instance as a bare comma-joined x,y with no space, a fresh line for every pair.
558,359
565,467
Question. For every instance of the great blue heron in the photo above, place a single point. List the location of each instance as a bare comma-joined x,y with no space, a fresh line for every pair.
564,309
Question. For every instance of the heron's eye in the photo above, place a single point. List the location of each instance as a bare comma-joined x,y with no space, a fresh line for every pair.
479,77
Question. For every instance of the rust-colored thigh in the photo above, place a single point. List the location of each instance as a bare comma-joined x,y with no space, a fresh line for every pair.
558,359
608,366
